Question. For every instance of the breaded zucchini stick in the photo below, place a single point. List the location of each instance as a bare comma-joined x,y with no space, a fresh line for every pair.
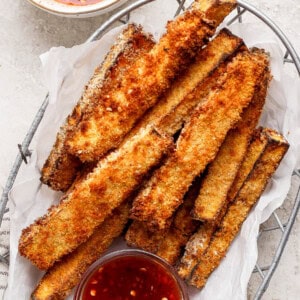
222,171
240,208
182,227
65,274
60,168
183,220
256,148
199,141
104,127
180,114
194,248
199,242
172,245
74,219
139,236
175,105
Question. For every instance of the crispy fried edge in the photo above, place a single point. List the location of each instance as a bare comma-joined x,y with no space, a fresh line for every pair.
194,248
222,171
254,151
199,242
60,168
175,105
212,9
139,236
93,199
144,82
240,208
199,141
172,245
182,227
208,63
65,274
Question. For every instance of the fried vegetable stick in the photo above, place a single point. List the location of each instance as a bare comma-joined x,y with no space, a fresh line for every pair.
65,274
240,208
199,141
175,105
194,248
60,168
208,61
171,247
183,220
222,171
199,242
104,127
182,227
180,114
256,148
74,219
139,236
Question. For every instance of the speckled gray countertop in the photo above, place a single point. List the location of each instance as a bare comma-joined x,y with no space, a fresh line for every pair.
26,32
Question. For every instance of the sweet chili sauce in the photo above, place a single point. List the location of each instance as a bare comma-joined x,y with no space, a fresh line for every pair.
131,277
78,2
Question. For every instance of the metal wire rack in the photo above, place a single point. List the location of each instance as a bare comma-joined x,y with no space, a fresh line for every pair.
123,16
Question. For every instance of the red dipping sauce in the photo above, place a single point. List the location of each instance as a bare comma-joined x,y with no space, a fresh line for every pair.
130,275
78,2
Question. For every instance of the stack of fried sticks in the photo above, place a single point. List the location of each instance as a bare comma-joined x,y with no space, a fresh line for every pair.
165,135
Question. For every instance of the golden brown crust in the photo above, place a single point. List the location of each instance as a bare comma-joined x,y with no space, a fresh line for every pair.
59,280
255,149
199,141
183,220
105,127
60,168
240,207
199,242
212,9
207,61
70,223
163,242
182,227
222,171
176,104
172,245
194,248
139,236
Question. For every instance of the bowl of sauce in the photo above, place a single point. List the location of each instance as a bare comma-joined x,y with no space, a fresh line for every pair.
77,8
131,274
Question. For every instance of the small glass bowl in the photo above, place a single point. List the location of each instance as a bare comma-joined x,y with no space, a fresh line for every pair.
119,259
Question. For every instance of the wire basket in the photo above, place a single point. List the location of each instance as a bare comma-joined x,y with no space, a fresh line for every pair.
283,227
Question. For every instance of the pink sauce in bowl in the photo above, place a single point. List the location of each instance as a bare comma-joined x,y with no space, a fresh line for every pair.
78,2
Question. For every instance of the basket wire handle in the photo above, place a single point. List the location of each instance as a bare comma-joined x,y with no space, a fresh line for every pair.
290,49
18,161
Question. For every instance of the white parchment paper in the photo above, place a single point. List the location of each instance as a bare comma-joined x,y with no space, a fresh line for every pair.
66,72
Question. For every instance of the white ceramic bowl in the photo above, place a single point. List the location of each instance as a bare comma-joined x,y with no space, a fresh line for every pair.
75,11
